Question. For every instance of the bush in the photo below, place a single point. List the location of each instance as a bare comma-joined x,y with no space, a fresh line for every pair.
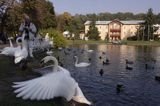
132,38
58,39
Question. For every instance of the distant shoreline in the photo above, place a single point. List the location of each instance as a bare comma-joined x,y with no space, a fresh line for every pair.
136,43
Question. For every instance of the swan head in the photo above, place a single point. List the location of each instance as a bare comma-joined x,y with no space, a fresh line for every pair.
75,56
10,38
47,59
19,40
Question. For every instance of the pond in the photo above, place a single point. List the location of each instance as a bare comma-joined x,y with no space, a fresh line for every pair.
139,85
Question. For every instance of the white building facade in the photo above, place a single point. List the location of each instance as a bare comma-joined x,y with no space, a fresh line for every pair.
115,29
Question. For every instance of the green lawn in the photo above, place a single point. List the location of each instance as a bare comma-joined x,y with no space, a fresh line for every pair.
86,42
154,43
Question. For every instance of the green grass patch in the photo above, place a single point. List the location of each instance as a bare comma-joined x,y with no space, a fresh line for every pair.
152,43
86,42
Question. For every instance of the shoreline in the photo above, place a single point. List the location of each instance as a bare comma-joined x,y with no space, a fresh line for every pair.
129,43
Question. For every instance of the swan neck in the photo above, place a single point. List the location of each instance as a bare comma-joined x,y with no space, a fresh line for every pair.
18,43
24,42
76,60
55,67
10,42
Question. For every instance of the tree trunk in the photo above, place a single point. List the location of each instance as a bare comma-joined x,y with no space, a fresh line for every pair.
148,33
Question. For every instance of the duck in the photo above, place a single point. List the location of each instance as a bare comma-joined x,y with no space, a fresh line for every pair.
100,57
129,62
103,53
57,83
128,67
89,59
81,64
101,72
119,88
157,78
106,62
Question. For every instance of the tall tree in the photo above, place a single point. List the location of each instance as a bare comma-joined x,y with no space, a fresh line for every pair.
64,21
41,12
149,21
5,5
93,33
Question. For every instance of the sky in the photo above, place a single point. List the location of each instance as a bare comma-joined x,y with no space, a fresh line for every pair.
100,6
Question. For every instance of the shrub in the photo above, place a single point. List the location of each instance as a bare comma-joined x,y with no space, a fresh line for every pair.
58,39
132,38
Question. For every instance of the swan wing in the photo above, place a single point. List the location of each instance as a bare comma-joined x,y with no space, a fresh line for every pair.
56,84
79,96
9,51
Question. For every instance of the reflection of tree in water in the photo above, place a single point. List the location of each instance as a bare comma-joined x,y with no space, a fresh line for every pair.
145,54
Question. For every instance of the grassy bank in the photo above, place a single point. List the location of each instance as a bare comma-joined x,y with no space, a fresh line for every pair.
152,43
70,42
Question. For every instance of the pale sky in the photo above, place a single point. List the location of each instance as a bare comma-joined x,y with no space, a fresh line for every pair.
112,6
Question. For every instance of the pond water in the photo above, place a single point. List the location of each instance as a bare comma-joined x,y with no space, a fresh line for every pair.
140,87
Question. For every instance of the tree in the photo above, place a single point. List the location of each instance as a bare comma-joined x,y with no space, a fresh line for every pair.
64,22
41,12
58,39
158,19
4,7
149,21
93,33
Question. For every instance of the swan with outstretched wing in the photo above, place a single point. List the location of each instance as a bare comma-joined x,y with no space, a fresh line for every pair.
57,83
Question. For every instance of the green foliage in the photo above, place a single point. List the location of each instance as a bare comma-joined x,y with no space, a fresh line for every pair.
41,13
149,21
58,39
93,33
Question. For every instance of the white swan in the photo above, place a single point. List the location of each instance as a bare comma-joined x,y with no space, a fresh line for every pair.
89,51
82,64
11,45
58,83
21,53
10,51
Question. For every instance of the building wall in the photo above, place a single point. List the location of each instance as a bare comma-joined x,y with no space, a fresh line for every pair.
103,30
86,29
127,30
